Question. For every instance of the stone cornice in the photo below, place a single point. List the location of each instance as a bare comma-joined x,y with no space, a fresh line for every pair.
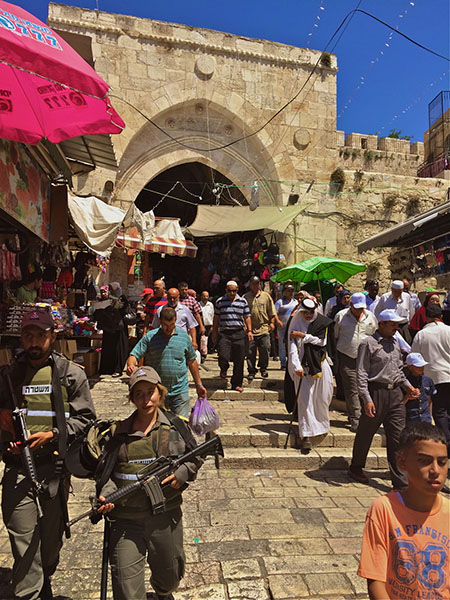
167,39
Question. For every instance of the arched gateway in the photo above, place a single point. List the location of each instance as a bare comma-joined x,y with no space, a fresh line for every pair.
205,103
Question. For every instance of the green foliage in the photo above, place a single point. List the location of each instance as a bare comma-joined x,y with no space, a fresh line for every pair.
397,134
337,180
325,59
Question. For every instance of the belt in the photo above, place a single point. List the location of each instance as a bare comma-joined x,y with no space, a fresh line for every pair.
384,386
231,330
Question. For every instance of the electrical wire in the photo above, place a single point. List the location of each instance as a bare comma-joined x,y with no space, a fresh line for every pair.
293,98
345,28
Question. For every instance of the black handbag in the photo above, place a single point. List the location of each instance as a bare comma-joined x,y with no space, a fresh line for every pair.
272,255
130,317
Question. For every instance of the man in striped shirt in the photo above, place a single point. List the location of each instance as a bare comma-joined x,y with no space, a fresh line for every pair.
233,324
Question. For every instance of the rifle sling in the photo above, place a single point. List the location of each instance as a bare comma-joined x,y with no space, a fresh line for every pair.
182,429
58,407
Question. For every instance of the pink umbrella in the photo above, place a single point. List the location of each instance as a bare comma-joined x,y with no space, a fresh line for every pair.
46,88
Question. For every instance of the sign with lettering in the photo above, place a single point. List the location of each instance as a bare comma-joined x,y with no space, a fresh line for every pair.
30,390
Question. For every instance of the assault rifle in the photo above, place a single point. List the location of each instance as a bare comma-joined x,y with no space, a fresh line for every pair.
150,477
20,428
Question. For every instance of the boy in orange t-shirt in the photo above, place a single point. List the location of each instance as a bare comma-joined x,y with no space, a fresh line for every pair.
406,541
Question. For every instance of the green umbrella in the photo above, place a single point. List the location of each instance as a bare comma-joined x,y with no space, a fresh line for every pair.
319,267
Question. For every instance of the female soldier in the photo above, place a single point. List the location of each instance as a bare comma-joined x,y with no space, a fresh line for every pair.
136,533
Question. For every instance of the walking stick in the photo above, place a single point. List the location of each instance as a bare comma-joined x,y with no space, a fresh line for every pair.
289,430
105,557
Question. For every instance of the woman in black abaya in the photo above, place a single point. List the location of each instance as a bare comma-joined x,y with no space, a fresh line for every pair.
115,332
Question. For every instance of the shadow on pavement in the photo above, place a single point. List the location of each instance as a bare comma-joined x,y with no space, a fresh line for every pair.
338,478
271,416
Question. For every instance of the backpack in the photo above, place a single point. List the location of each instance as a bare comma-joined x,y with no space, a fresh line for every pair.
84,453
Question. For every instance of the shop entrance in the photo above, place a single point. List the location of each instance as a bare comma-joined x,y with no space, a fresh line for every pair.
176,192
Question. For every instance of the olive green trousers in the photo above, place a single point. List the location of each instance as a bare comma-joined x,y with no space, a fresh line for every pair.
157,539
35,543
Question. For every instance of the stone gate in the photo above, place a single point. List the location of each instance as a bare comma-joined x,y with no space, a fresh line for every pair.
192,95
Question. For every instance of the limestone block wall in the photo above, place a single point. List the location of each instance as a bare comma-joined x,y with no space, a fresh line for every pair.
383,201
199,90
165,69
374,154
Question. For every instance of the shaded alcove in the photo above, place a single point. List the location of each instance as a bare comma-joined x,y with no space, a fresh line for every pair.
195,179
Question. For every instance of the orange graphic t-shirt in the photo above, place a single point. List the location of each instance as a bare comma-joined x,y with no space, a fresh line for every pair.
407,549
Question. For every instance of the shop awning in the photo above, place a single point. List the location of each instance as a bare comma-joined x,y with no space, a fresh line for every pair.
86,152
96,223
417,229
218,220
163,245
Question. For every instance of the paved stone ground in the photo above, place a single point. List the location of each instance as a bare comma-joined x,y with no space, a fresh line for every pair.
252,531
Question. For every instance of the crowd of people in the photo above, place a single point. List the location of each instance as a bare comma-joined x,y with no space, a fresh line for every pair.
389,356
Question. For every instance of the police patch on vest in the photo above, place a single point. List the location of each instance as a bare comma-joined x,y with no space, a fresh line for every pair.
29,390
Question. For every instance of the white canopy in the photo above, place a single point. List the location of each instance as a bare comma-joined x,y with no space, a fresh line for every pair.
216,220
96,223
101,226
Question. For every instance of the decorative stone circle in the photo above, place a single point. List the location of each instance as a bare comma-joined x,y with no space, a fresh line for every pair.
302,138
228,130
205,65
170,123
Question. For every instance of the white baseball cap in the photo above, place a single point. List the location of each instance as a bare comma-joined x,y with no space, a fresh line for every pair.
397,284
415,359
389,315
358,300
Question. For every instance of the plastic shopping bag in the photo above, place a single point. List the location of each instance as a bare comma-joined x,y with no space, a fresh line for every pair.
203,345
203,418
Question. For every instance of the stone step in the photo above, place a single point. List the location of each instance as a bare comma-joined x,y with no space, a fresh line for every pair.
276,438
291,458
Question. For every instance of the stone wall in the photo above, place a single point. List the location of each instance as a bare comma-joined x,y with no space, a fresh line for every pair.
207,88
198,90
374,154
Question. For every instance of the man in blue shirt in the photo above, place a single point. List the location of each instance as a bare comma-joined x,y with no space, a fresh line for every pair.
185,318
169,351
418,409
232,320
284,307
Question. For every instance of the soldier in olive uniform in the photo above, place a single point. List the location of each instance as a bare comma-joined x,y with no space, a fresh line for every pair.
137,534
55,394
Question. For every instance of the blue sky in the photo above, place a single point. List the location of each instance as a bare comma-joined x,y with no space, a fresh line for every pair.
384,82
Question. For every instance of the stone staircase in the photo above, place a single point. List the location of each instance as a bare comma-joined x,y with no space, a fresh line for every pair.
255,425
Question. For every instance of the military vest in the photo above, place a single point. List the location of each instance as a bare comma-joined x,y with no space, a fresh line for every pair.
37,399
134,454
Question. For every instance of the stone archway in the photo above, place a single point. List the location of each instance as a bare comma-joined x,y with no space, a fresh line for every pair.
194,127
176,192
